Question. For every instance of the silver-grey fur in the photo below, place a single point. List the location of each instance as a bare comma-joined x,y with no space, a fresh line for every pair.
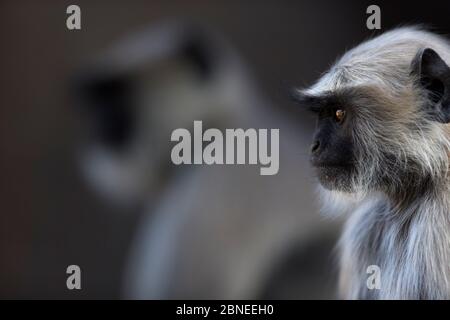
398,205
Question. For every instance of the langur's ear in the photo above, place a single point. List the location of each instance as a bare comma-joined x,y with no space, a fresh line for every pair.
434,77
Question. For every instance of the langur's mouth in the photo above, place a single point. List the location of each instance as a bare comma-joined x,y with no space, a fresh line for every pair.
324,164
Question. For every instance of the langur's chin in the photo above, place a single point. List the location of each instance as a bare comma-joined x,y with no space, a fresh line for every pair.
335,178
338,190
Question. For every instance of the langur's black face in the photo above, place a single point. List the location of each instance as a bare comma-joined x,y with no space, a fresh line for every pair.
332,150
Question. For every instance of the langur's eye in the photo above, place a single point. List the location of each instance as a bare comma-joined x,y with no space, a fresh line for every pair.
339,115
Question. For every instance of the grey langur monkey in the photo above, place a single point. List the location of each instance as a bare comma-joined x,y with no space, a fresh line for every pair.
381,153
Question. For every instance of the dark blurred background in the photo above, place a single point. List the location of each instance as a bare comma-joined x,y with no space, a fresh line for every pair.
49,217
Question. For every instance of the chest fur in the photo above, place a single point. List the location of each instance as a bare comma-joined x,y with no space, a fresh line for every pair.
410,248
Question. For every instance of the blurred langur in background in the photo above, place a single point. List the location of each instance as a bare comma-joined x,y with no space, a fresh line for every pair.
205,231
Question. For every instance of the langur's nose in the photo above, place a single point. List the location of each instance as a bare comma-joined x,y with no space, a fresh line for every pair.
315,146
